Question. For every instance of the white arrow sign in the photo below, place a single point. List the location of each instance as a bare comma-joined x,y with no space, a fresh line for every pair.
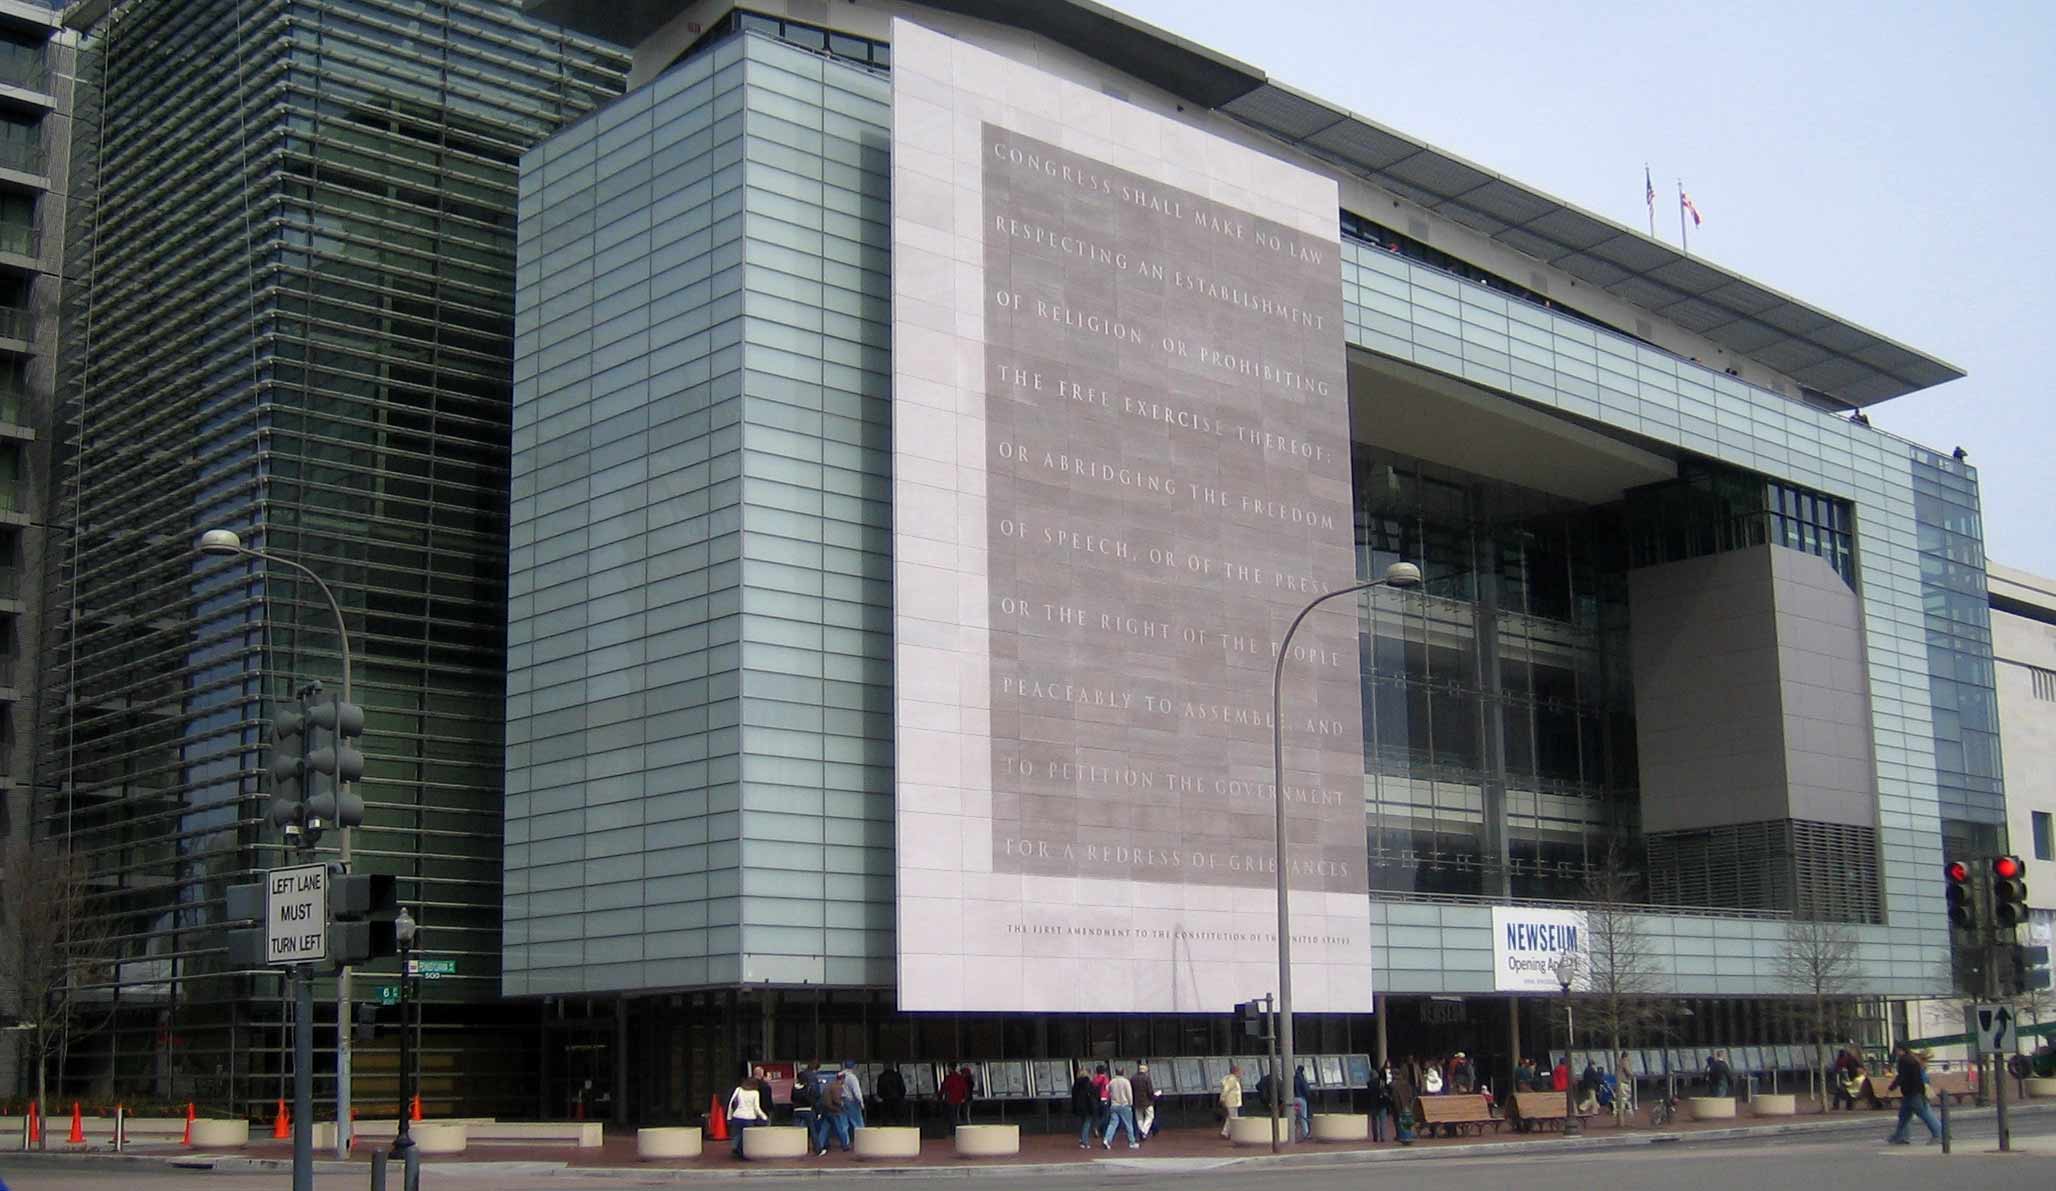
1994,1029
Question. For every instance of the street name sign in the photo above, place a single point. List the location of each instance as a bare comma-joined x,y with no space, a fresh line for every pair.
296,915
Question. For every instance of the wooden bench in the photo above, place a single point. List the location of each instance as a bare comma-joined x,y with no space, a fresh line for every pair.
1466,1113
1541,1108
1941,1084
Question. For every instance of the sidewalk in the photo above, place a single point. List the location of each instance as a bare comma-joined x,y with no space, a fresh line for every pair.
1184,1149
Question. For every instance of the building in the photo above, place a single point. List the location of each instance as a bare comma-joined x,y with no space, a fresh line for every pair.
927,419
292,241
35,135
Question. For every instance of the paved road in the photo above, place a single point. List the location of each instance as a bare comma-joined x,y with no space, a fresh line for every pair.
1833,1160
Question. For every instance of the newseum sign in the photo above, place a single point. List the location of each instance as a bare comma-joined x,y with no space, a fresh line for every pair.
1121,465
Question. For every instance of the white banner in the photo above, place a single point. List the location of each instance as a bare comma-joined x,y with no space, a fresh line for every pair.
1526,944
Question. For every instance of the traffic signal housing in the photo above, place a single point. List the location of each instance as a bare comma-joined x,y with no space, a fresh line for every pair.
288,767
1962,895
361,909
2009,892
338,761
1252,1015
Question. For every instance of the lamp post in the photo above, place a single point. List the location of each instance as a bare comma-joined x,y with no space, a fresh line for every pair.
1566,969
1399,574
227,543
404,934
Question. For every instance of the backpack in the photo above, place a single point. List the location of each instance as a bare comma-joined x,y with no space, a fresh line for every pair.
831,1098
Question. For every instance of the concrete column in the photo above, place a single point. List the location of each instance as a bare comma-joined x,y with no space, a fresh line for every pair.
1513,1040
1378,1018
621,1060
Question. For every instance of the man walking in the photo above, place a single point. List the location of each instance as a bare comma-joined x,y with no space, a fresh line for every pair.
852,1100
1231,1098
1145,1101
1120,1110
1911,1081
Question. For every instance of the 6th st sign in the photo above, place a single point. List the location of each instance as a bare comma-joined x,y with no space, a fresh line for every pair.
296,915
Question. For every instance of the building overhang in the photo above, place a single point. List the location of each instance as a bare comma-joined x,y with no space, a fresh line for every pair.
1847,362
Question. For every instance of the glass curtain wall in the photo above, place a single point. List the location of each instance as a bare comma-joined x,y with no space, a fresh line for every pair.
293,233
1498,712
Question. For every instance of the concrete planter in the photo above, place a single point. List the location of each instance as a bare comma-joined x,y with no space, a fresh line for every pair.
1256,1131
220,1135
774,1141
988,1141
440,1137
673,1141
1711,1108
1341,1126
2041,1088
892,1141
1774,1104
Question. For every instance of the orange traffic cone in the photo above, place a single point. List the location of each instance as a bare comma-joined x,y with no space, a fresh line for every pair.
187,1140
35,1124
414,1112
717,1121
282,1124
77,1136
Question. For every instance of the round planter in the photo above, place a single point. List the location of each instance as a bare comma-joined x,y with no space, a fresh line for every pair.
1256,1131
891,1141
211,1135
774,1141
1711,1108
1341,1126
674,1141
1774,1104
2041,1087
439,1137
988,1141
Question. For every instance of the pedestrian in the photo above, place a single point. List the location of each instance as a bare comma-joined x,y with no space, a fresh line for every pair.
1847,1085
852,1099
766,1098
1230,1098
831,1116
1560,1075
1462,1077
1085,1106
1524,1076
1911,1083
1588,1089
970,1085
1120,1110
745,1108
1302,1103
892,1095
956,1094
1377,1098
1717,1074
1431,1080
1404,1099
1145,1101
1623,1088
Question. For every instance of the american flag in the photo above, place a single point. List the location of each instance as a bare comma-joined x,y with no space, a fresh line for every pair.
1648,190
1686,201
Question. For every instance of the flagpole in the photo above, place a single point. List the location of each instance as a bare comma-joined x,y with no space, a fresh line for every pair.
1684,237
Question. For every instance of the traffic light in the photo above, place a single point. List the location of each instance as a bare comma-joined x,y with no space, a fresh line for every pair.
361,908
1962,896
288,767
2031,968
2009,892
367,1022
1252,1015
338,761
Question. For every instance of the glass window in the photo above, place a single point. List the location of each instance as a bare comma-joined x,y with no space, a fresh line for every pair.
2045,847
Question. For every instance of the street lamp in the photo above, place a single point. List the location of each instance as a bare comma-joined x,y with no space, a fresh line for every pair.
227,543
1566,969
404,934
1399,574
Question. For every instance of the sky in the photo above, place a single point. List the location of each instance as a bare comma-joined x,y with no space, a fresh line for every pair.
1893,163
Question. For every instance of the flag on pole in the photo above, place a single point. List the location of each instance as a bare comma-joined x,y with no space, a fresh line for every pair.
1649,192
1686,200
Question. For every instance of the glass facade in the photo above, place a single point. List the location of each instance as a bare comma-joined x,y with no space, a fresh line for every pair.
1958,619
1498,714
293,317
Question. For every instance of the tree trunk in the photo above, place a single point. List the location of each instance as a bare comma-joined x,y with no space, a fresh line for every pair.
42,1091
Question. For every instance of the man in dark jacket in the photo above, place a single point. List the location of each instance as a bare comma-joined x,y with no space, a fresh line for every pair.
1143,1090
892,1094
1911,1082
1085,1106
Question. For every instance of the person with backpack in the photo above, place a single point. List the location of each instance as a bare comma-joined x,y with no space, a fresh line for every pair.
1911,1082
830,1119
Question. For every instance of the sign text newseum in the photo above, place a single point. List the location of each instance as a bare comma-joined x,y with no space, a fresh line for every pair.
1526,943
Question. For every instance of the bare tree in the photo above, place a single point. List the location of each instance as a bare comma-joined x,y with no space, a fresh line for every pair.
51,950
1816,961
1619,961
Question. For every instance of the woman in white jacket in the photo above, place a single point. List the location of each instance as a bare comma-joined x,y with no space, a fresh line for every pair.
746,1108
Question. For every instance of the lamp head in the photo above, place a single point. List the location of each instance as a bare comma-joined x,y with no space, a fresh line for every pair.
404,929
221,542
1402,574
1566,968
